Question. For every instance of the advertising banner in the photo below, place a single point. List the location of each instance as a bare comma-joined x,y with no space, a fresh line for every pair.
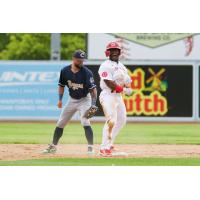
159,90
29,90
146,46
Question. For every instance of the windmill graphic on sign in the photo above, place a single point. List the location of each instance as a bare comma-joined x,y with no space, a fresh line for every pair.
155,81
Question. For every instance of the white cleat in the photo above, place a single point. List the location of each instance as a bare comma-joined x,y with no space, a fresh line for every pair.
50,149
90,151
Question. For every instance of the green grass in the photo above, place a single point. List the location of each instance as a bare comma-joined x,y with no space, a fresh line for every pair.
105,162
41,133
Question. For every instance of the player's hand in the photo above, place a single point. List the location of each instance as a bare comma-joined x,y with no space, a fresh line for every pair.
128,91
59,104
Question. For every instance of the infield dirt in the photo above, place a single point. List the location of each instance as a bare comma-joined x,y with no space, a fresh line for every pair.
34,151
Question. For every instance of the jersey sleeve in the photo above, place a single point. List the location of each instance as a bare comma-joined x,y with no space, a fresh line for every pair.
105,73
90,84
61,79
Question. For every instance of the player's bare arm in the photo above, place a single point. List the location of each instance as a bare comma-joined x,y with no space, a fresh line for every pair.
93,93
60,94
110,84
126,88
93,109
113,86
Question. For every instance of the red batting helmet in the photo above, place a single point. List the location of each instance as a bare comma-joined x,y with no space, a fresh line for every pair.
112,45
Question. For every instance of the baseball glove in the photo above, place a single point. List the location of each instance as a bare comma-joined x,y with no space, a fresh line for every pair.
91,112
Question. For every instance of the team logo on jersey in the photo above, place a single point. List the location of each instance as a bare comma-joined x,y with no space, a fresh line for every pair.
74,86
104,74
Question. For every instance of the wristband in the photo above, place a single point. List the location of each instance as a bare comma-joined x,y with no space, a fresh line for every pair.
118,88
60,97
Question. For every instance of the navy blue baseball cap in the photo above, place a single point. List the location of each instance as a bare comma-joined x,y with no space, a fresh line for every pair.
79,54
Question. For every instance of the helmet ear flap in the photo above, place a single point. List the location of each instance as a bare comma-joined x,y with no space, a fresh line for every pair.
107,53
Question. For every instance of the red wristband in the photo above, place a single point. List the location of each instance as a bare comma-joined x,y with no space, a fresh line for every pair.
118,88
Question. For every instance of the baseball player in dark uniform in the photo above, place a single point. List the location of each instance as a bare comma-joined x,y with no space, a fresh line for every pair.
83,95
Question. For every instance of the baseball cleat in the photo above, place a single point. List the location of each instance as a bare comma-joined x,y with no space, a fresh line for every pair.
105,152
90,150
50,149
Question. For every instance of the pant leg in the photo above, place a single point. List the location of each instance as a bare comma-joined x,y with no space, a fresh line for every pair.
121,119
84,105
68,111
109,105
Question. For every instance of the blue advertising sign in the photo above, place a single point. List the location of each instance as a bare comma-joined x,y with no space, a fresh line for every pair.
28,90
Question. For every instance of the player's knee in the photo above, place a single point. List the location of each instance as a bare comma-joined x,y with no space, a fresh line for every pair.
111,122
61,124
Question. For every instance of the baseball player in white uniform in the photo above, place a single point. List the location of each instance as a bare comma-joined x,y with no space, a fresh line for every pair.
114,81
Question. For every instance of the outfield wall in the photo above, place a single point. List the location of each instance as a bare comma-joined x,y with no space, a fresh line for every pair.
163,90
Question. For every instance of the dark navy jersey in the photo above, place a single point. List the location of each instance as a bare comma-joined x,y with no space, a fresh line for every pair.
79,83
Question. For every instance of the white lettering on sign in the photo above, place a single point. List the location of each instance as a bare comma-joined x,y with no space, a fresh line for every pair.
10,78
